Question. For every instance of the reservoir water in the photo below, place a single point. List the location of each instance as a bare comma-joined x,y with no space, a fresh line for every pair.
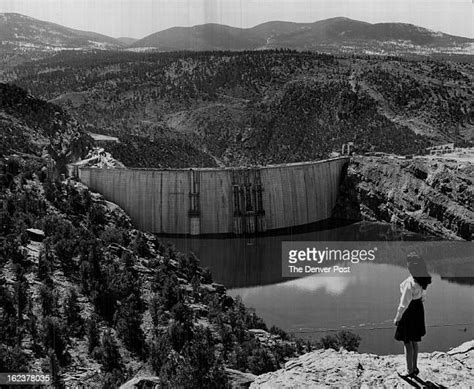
364,301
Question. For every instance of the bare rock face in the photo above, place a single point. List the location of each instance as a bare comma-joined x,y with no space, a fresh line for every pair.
98,157
238,379
142,382
350,369
422,195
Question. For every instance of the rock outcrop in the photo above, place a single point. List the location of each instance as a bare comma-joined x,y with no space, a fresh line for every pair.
453,369
236,380
99,158
432,196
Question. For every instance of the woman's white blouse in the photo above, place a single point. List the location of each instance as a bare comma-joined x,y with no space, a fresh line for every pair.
410,291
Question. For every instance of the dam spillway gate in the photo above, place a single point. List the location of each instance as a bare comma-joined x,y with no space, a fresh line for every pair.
208,201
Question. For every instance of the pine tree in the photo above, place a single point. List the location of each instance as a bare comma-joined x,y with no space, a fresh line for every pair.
128,320
92,329
45,265
159,351
72,313
110,357
54,338
48,300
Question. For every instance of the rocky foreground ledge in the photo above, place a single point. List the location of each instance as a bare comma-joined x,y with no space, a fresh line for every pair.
344,369
330,368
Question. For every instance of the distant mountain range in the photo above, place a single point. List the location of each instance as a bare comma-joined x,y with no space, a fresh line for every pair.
23,33
336,33
19,33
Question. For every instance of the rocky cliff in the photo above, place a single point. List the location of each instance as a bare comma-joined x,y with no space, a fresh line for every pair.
349,369
432,196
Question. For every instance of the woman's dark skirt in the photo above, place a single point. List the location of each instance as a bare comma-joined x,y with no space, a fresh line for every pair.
412,324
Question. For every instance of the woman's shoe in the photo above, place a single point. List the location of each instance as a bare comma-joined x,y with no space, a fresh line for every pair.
415,372
406,375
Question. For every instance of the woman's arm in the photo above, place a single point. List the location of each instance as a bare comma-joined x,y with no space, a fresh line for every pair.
407,296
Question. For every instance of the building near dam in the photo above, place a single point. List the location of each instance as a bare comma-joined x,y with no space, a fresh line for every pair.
210,201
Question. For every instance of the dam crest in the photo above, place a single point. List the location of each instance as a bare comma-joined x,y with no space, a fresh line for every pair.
231,201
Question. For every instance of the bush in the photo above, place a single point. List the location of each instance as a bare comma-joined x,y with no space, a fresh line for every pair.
65,249
345,339
261,361
278,331
96,216
206,276
114,235
349,340
140,245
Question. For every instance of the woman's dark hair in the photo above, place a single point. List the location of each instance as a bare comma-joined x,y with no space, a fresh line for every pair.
417,268
423,281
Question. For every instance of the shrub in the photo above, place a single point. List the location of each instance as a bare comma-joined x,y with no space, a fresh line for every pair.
261,361
345,339
206,276
140,245
278,331
96,216
114,235
65,249
348,340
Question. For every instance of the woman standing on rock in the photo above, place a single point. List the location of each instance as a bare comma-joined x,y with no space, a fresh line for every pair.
410,317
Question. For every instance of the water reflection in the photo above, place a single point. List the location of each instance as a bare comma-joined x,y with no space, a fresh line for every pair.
245,262
333,286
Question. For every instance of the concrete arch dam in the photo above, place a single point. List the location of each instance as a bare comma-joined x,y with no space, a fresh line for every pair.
236,201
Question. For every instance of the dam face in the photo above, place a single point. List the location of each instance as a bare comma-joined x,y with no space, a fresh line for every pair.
223,200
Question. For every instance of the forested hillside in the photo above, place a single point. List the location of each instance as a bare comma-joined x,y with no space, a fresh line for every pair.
260,107
33,126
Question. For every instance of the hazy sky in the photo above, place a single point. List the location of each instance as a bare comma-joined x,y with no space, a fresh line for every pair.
138,18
